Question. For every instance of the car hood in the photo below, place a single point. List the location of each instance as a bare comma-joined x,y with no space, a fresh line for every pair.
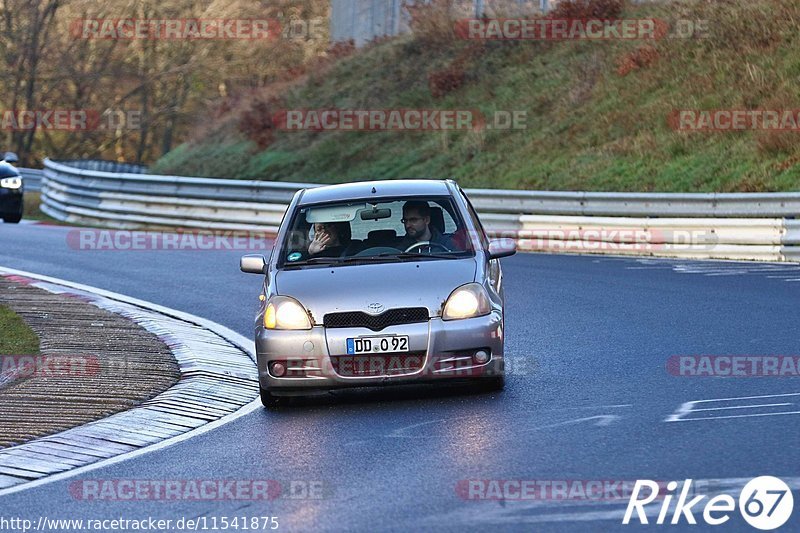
355,287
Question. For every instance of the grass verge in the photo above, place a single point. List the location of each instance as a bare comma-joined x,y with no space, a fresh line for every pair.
16,338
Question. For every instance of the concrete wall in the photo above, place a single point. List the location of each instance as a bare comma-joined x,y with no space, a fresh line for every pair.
363,20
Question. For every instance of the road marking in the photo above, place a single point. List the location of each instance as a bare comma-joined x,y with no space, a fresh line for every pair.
718,268
398,433
738,416
726,273
619,405
688,408
741,407
401,433
602,421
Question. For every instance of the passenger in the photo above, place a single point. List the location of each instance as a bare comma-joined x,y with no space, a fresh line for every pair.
331,239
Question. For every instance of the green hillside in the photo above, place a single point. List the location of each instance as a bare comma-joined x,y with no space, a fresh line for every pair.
596,110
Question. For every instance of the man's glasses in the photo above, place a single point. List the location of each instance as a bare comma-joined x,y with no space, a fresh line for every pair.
413,220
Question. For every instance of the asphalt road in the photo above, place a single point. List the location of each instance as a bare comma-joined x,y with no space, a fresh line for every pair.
587,398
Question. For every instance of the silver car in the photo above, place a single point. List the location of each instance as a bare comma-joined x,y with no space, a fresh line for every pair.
379,283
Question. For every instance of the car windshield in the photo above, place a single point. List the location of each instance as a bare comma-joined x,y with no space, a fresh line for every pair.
389,230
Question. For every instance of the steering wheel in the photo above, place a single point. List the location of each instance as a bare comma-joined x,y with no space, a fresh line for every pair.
429,244
375,250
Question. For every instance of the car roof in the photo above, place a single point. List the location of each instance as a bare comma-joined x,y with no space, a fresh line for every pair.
382,189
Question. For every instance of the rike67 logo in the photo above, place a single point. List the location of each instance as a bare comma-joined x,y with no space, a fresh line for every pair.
765,503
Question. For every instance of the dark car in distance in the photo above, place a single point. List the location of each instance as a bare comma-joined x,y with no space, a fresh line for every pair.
11,193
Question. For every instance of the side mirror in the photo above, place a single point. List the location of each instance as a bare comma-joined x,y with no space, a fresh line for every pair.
252,264
10,157
502,248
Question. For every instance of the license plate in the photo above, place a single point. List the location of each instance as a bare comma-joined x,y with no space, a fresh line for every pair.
388,344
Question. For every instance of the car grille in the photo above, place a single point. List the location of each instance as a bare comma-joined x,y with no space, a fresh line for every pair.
378,365
391,317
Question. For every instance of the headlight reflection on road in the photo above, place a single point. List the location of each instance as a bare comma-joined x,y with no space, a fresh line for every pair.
465,441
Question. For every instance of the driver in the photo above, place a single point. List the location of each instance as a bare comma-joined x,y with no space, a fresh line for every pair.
417,221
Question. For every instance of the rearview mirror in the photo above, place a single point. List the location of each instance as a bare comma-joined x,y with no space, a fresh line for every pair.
252,264
10,157
502,248
375,214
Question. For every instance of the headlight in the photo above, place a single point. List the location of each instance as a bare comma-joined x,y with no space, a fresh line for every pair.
467,301
11,183
283,312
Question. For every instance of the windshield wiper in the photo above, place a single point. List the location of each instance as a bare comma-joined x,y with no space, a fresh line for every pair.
333,260
409,255
371,258
313,261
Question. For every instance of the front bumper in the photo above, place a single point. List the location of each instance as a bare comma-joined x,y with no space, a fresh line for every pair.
441,349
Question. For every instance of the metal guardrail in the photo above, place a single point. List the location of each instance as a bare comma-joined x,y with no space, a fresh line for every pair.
699,225
638,204
32,178
106,166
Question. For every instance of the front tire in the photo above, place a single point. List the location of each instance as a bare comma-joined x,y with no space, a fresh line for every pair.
12,218
269,400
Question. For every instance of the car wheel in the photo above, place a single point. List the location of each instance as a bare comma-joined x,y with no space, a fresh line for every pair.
269,400
12,218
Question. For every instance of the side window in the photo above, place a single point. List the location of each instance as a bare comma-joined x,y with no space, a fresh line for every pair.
475,220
